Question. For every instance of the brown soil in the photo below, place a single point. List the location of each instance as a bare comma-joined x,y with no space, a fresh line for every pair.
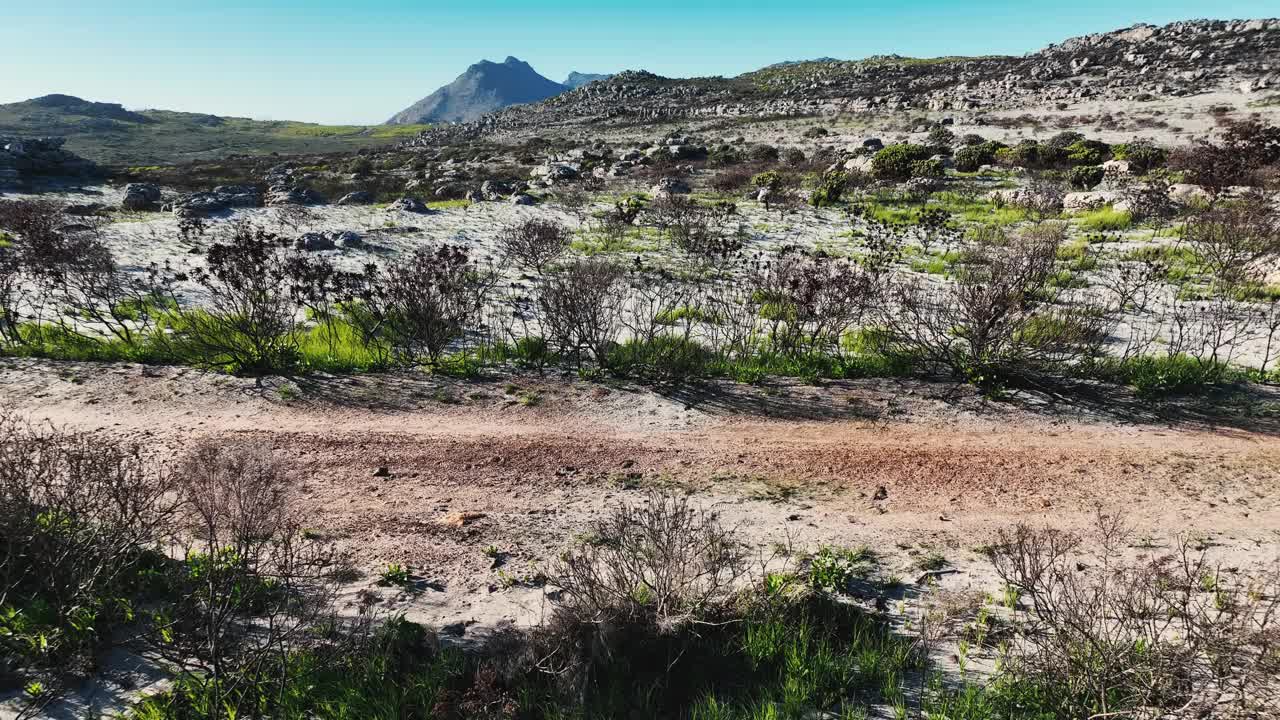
524,463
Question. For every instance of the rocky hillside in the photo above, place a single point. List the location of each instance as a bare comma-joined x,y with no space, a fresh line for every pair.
108,133
1137,63
482,89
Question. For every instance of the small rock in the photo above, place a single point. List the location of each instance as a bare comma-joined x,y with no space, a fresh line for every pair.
359,197
408,204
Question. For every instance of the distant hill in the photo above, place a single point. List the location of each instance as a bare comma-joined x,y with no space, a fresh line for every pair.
484,88
107,133
1138,64
576,80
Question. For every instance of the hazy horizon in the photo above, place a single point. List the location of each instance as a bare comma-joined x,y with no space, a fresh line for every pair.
336,63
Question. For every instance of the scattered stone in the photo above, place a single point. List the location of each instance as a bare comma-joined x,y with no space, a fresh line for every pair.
294,196
315,241
669,186
1091,200
461,519
551,173
359,197
408,204
84,209
382,472
1188,194
494,191
522,199
223,197
349,239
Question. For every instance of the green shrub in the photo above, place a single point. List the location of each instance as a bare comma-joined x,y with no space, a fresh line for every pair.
972,157
1142,156
932,168
769,179
1088,152
894,162
1085,177
1027,153
830,189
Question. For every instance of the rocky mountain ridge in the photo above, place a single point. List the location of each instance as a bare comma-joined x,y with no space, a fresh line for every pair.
481,89
1137,63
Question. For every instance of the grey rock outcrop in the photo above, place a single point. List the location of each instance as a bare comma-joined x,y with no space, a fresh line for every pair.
298,195
493,191
141,196
316,241
408,204
219,199
313,241
668,186
24,159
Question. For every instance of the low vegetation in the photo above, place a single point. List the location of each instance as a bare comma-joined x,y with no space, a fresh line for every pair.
994,306
660,611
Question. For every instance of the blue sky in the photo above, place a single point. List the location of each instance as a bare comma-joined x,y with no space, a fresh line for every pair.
347,61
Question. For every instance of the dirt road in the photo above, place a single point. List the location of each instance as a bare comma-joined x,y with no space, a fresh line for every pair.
529,461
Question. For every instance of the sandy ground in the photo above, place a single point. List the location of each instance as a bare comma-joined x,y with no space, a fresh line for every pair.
537,457
904,467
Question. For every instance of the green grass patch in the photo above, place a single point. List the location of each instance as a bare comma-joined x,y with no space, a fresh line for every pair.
1155,376
933,263
449,204
1181,263
1104,219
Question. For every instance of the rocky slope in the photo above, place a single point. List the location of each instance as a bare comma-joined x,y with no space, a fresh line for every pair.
1138,63
483,88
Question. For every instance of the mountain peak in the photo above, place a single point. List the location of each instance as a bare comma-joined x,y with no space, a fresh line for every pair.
576,79
484,88
57,100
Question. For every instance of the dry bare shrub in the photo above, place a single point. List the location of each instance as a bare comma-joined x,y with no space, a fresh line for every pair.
1247,155
705,233
1139,638
580,309
81,512
534,243
636,591
997,319
420,307
809,301
664,561
250,320
251,585
1236,242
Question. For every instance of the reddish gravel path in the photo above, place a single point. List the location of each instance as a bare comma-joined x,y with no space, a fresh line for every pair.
893,467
